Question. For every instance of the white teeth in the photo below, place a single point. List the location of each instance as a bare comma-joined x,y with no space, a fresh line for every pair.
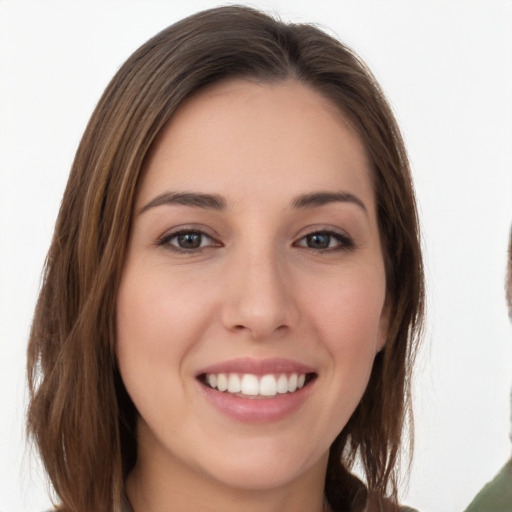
251,385
292,383
268,385
234,383
212,380
222,382
282,384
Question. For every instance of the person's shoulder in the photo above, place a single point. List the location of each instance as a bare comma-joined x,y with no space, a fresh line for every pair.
377,503
496,496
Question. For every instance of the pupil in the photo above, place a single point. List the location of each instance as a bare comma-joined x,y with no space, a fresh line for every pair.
319,241
189,240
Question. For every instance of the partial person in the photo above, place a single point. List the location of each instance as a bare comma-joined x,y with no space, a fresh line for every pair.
496,496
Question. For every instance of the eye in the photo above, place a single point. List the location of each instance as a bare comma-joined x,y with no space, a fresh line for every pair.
325,241
187,241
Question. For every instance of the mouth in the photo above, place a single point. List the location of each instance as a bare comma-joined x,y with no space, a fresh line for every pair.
256,391
253,387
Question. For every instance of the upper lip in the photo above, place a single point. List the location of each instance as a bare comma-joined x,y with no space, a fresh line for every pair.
257,366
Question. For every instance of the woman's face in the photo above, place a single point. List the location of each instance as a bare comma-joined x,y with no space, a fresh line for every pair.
254,263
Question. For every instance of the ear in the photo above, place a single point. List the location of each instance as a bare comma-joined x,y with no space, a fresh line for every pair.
383,331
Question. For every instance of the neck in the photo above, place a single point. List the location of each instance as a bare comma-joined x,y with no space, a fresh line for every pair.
146,498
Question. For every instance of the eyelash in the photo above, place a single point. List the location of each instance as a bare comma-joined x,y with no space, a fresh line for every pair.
344,242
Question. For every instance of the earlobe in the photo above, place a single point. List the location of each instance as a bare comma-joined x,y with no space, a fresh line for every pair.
383,331
381,343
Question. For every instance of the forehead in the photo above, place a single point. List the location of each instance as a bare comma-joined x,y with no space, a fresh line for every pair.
282,133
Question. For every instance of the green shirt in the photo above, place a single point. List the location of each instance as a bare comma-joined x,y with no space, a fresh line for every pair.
496,496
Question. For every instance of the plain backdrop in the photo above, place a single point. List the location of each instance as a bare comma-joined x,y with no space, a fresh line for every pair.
446,67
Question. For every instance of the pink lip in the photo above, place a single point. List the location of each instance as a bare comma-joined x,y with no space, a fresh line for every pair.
256,410
262,410
257,366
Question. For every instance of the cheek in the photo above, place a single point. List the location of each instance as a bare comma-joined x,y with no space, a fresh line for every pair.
348,320
349,314
158,323
346,316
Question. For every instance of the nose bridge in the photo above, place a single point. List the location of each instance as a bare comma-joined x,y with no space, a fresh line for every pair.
259,298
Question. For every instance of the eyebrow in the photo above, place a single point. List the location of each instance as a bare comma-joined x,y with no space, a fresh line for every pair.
316,199
206,201
217,202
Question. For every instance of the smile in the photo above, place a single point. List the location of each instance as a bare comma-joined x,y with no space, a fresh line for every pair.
252,386
257,391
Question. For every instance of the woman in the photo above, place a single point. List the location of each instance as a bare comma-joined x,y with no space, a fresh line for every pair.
234,291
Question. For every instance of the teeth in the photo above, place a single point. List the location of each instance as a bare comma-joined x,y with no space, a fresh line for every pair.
268,385
292,383
282,384
212,380
234,383
251,385
222,382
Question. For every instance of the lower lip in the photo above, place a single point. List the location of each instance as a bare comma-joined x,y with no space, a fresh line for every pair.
257,410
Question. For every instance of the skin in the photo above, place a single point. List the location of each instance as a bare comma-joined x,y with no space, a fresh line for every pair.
255,288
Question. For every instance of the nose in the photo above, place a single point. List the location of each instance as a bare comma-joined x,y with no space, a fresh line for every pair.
258,296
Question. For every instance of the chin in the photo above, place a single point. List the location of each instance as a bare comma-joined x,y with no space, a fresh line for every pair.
257,477
260,466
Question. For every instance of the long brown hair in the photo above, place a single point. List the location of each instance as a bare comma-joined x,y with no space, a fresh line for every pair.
80,414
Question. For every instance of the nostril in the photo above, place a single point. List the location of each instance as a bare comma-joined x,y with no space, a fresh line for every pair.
257,332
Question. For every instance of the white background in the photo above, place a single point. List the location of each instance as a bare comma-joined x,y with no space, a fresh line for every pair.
446,67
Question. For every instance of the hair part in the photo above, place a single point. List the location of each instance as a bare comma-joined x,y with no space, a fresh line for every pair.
80,415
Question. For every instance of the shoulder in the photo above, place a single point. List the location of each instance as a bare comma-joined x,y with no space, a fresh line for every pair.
377,503
496,496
